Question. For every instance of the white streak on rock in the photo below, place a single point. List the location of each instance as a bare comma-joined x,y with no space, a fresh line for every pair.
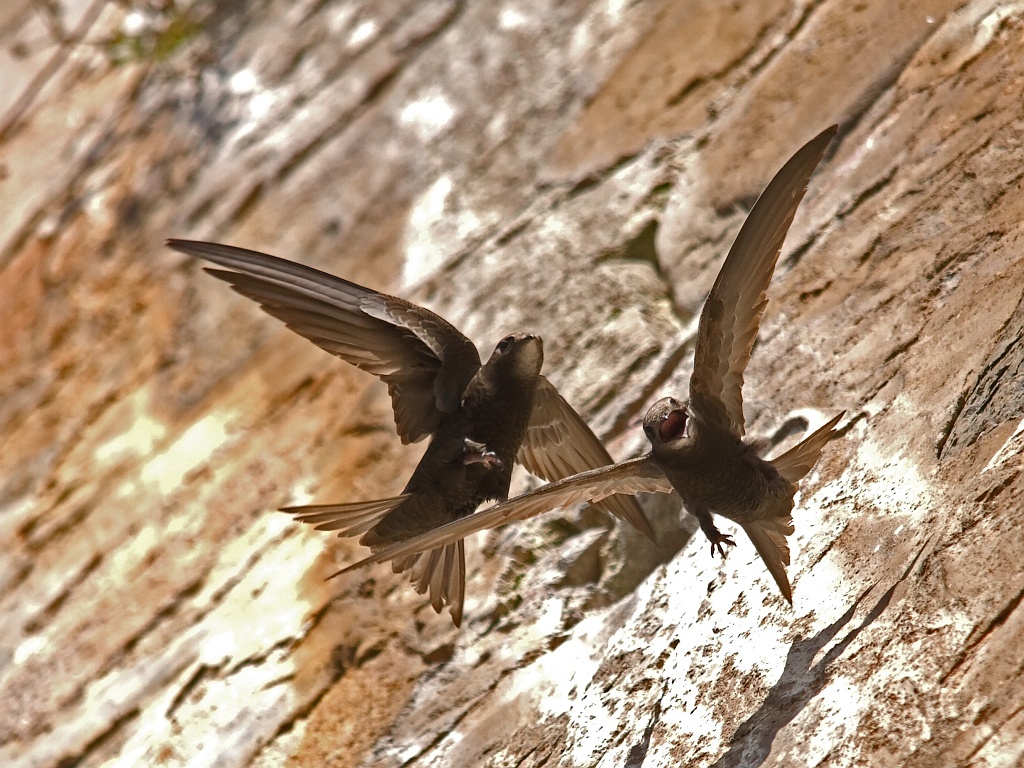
427,116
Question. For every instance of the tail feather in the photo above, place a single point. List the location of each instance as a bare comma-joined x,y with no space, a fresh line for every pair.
798,460
457,583
769,539
442,571
769,535
449,567
422,572
437,583
402,565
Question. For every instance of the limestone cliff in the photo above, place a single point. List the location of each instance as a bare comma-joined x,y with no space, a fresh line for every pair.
576,169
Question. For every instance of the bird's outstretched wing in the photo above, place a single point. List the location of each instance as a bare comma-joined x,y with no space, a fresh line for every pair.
732,312
559,444
350,519
425,361
798,460
639,475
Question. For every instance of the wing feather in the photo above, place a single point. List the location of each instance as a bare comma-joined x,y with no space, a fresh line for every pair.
798,460
425,360
559,444
731,315
639,475
351,519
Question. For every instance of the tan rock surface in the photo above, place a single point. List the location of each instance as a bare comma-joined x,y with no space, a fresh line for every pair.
576,169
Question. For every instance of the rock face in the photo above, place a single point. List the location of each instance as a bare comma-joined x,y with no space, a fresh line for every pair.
577,169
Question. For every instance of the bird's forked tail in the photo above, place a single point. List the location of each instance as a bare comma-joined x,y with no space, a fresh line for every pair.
770,536
442,571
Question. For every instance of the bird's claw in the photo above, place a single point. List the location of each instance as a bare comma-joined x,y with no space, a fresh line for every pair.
477,453
487,459
718,541
715,536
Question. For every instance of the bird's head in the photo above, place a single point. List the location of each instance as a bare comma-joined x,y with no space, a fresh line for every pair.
666,422
521,354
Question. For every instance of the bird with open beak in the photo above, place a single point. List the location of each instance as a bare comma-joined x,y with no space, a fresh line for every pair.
482,418
697,445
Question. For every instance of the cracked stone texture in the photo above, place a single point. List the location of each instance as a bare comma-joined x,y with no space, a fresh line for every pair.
573,168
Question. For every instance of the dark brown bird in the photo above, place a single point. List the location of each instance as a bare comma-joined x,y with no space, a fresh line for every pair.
481,418
697,445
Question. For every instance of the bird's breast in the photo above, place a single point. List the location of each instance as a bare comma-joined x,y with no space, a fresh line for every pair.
494,414
735,484
498,413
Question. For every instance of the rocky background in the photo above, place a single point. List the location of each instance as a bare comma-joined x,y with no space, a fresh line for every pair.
572,168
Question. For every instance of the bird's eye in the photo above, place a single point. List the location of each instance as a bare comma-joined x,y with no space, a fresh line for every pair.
505,343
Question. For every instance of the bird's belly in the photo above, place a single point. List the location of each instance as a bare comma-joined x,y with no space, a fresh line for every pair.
735,490
441,498
460,487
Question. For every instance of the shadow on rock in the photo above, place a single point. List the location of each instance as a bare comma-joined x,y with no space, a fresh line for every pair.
802,680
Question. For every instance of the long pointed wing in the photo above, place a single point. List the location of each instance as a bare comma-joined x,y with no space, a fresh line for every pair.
732,312
559,444
639,475
352,518
425,361
801,458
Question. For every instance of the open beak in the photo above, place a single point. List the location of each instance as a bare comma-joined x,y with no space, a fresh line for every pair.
673,426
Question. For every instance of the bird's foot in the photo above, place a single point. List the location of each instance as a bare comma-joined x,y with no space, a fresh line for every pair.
488,459
717,542
715,536
477,453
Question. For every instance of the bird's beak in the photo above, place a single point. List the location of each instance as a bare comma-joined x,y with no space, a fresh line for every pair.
672,426
530,355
